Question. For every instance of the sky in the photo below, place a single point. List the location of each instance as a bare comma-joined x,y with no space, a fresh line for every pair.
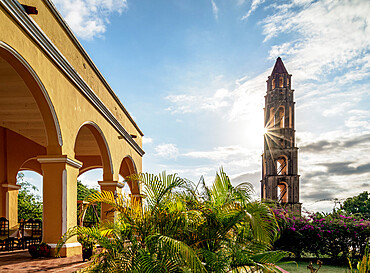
193,73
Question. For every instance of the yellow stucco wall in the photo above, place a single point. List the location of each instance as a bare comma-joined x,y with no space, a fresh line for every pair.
63,94
58,35
72,109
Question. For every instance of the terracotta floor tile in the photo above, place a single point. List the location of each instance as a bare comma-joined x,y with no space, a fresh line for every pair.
21,261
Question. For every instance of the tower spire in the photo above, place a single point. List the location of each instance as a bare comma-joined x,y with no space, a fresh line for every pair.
279,67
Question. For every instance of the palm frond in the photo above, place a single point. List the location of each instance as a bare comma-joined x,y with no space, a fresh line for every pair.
179,249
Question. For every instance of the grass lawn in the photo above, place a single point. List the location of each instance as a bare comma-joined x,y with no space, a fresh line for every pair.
302,268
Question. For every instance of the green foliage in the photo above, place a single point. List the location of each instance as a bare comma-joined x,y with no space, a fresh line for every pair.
83,193
29,203
183,227
358,205
363,266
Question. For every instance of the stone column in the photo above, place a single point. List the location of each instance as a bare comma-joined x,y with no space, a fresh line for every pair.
115,187
60,200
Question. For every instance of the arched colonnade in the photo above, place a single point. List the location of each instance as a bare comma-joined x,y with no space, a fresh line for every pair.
59,127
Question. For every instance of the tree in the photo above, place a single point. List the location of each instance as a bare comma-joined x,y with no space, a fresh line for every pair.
358,205
29,203
182,227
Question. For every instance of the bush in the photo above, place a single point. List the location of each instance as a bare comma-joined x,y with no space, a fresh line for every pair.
333,235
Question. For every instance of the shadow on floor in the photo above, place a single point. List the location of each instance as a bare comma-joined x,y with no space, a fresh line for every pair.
21,261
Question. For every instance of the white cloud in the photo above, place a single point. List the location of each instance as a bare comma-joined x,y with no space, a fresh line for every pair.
167,150
214,9
359,119
88,18
240,2
255,4
233,158
147,140
91,178
187,103
219,153
332,35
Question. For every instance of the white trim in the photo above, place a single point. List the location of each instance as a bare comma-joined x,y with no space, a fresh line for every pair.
111,183
34,31
42,87
64,201
67,245
17,187
7,204
67,160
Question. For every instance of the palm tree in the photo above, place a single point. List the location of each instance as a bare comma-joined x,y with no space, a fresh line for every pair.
183,227
232,232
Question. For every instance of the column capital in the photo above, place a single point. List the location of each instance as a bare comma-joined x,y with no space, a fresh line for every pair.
11,186
47,159
111,183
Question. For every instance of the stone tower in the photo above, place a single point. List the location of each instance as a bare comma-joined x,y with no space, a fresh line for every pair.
280,179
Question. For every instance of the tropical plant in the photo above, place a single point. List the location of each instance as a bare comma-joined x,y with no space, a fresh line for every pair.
363,266
182,227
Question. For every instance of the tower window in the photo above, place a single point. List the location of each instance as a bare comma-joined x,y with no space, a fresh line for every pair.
273,83
281,82
281,166
287,81
281,118
282,192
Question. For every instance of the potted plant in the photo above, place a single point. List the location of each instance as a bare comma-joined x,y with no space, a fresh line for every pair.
87,246
39,250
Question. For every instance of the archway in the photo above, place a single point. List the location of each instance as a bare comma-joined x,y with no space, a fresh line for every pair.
92,150
28,126
282,194
128,168
282,165
26,107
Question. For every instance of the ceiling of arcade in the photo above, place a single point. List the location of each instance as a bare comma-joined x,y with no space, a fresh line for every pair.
19,112
18,109
86,145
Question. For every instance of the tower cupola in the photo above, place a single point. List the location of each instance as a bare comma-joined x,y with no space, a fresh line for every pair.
279,77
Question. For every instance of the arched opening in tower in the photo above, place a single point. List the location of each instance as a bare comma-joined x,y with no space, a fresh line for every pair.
281,166
282,192
281,82
281,117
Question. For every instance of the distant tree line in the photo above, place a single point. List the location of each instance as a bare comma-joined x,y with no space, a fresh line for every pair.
30,203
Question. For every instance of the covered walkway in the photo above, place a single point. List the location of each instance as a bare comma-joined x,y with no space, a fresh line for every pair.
21,261
58,117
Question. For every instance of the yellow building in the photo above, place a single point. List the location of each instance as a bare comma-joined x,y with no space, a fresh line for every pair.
58,117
